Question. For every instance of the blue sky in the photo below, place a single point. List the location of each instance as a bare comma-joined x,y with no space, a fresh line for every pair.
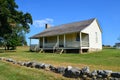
56,12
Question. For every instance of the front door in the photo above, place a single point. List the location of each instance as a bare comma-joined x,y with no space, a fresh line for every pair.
61,41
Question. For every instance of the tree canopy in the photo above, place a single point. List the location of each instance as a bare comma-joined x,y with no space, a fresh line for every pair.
13,23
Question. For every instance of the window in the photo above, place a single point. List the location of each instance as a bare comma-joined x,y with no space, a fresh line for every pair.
78,37
46,40
96,37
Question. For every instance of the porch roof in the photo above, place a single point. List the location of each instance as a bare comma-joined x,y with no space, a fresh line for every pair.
64,29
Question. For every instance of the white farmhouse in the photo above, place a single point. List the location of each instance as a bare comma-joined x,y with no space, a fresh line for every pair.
83,36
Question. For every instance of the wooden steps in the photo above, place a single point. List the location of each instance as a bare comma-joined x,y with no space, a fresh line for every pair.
41,51
59,51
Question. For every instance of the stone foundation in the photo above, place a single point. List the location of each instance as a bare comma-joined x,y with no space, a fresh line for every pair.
94,49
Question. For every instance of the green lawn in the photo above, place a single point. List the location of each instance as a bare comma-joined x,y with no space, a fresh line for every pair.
107,59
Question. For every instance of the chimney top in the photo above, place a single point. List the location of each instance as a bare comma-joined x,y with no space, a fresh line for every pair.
47,26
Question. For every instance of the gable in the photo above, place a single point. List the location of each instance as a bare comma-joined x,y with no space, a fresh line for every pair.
95,36
93,27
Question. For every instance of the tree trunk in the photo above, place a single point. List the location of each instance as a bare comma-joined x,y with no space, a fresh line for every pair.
8,47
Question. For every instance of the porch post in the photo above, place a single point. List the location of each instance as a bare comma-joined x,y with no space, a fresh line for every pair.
43,42
30,44
64,41
80,51
39,42
58,40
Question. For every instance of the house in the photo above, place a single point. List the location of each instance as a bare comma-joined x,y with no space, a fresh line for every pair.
117,45
73,37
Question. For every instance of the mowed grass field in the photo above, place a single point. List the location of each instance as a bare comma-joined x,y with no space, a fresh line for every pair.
108,59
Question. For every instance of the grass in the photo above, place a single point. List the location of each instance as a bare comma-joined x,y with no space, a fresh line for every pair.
108,59
13,72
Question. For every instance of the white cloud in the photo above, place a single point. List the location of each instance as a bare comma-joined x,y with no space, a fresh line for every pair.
42,22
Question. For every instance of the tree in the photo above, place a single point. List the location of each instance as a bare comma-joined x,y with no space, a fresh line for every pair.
16,38
14,24
7,9
1,41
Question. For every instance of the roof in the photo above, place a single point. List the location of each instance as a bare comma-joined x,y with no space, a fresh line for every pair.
64,29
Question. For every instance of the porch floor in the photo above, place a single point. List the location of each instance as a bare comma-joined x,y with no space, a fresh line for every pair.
64,48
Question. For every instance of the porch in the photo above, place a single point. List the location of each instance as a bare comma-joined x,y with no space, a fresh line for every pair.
71,41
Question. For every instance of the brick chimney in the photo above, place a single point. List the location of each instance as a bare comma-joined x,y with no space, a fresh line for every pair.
47,26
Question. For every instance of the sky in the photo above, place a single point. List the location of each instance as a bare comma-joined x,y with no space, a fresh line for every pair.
57,12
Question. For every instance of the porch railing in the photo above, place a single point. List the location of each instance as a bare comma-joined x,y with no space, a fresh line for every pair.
56,45
34,47
49,45
74,44
85,44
